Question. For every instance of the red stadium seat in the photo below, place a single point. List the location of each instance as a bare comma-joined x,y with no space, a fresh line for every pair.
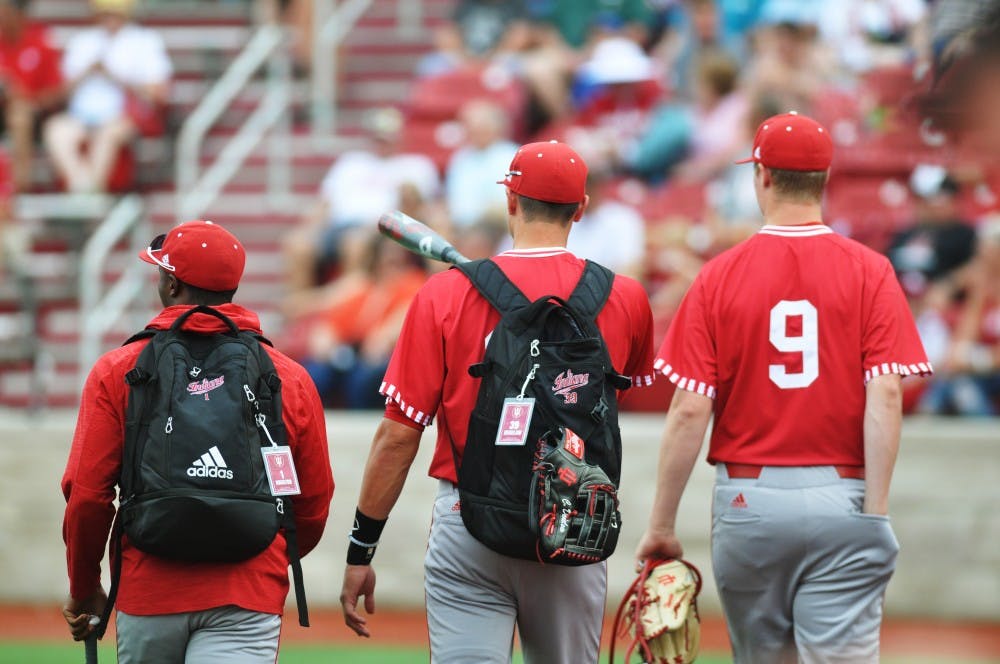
869,208
434,138
434,104
441,97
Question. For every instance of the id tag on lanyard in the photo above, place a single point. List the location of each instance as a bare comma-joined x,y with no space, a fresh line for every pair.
280,469
515,419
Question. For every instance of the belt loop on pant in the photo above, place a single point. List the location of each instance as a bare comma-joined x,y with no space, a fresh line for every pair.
748,471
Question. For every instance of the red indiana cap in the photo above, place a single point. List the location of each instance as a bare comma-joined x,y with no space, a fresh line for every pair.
791,142
199,253
547,171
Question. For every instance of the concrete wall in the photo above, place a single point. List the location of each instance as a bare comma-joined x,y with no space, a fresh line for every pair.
945,506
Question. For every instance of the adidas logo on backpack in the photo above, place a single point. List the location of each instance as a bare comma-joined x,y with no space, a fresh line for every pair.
211,464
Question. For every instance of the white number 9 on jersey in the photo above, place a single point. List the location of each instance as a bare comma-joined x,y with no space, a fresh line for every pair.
807,344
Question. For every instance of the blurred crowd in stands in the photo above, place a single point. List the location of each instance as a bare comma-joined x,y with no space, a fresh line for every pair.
659,96
81,103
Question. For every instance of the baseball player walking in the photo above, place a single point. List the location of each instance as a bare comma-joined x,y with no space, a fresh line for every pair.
475,596
797,340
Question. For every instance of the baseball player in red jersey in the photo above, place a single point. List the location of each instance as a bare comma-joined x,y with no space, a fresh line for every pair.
475,596
796,340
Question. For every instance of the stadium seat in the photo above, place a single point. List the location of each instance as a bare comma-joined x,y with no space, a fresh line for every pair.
867,208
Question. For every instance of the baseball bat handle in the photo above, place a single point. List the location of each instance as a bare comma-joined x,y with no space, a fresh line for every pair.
418,237
90,643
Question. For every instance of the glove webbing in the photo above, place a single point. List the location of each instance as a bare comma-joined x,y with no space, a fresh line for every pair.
638,589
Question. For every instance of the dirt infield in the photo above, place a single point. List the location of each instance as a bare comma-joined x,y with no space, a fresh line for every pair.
900,637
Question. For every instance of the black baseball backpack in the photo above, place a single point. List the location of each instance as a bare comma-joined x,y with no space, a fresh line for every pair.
193,485
552,497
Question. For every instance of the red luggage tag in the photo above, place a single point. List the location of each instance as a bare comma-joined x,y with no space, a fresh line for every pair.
515,419
280,469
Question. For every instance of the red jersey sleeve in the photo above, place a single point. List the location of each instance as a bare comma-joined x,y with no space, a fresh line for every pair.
890,342
687,355
639,366
90,478
305,423
415,374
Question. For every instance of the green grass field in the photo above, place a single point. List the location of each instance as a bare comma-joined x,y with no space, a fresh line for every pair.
69,653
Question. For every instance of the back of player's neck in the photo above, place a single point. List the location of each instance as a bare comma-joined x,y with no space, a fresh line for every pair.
794,214
540,236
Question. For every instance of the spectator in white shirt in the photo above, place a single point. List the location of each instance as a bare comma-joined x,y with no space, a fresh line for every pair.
610,232
118,73
473,169
360,186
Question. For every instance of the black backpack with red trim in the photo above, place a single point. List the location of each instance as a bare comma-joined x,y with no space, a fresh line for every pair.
193,486
540,469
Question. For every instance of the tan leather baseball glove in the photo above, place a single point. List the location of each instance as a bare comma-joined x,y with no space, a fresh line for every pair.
659,613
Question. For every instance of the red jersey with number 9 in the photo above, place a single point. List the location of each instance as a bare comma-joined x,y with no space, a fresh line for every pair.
784,331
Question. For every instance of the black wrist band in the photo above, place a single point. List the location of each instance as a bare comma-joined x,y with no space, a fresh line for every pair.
358,554
364,538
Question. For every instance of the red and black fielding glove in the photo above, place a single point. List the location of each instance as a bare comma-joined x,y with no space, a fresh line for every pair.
573,504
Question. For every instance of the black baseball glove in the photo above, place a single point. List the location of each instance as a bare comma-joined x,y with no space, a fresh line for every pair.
573,505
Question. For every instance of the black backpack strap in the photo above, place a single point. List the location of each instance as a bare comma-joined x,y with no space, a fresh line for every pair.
138,403
494,285
116,574
211,311
588,298
592,291
269,397
498,290
139,336
294,560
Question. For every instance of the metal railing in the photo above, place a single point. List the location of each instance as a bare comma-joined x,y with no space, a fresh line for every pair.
331,25
74,212
197,190
99,311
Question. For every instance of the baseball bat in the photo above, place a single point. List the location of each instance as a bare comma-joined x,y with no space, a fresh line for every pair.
90,644
418,238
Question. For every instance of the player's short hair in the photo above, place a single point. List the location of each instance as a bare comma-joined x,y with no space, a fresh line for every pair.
208,297
536,210
798,185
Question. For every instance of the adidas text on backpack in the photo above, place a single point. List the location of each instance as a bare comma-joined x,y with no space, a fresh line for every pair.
539,473
193,484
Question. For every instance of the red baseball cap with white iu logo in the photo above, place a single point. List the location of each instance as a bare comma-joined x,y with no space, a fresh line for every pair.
791,142
547,171
199,253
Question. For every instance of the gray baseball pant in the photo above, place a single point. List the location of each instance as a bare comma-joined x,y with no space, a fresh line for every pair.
224,635
801,571
475,598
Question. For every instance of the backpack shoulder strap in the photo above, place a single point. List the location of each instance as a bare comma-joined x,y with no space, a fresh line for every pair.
494,285
588,298
140,335
592,291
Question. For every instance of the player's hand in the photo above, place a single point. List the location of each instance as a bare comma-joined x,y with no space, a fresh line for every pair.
358,580
79,612
658,545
